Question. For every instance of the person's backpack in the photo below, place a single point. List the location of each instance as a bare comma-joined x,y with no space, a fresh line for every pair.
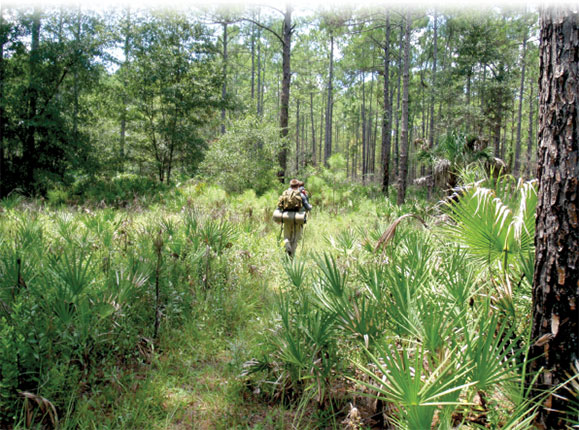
290,200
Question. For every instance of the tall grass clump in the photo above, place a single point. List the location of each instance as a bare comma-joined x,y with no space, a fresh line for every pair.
412,316
83,291
428,323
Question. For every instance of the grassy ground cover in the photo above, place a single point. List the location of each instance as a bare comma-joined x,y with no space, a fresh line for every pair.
183,312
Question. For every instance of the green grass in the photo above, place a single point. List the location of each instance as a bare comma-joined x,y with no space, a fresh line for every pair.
89,281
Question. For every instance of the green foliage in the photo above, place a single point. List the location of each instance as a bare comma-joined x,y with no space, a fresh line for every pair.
77,293
120,190
497,228
244,157
173,82
402,378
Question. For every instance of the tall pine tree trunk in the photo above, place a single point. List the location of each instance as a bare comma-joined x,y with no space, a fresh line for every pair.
314,160
224,85
555,330
329,107
124,97
520,113
297,135
387,113
3,40
252,62
399,87
321,149
29,153
75,89
364,129
403,168
371,150
259,88
531,138
374,143
285,90
431,137
497,136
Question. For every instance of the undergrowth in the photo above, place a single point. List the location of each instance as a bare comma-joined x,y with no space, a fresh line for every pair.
180,310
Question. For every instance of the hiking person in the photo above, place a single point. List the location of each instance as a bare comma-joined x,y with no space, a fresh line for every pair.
292,201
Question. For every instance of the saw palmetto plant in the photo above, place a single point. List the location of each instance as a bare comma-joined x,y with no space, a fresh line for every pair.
401,376
498,233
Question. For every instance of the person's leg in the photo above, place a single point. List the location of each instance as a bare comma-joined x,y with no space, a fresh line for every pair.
288,232
297,236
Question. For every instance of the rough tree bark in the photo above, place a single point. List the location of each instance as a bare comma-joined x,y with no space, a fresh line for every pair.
555,328
124,98
397,115
224,85
387,113
75,89
297,135
314,159
259,90
432,138
369,150
252,61
364,129
403,168
329,107
285,89
520,113
3,40
531,136
28,155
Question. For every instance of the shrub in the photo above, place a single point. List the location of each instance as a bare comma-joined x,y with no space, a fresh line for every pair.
117,190
57,196
244,157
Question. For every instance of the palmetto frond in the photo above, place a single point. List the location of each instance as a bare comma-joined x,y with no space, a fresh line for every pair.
400,376
492,231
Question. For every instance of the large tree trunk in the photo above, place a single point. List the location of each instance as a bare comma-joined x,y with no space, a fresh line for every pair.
555,330
403,168
364,129
224,85
124,98
321,149
397,115
374,143
314,160
520,113
259,89
252,62
3,40
303,140
431,138
387,113
369,136
531,137
329,107
297,136
29,152
285,90
75,89
497,135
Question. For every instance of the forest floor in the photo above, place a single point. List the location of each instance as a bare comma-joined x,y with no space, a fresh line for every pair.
193,380
249,339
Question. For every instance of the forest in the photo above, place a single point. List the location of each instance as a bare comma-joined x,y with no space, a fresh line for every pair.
145,285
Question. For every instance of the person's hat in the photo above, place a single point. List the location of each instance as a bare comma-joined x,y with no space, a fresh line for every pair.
301,183
294,183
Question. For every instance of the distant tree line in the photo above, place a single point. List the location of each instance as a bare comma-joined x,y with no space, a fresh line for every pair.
87,92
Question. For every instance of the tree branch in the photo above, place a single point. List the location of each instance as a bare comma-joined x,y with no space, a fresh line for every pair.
265,27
